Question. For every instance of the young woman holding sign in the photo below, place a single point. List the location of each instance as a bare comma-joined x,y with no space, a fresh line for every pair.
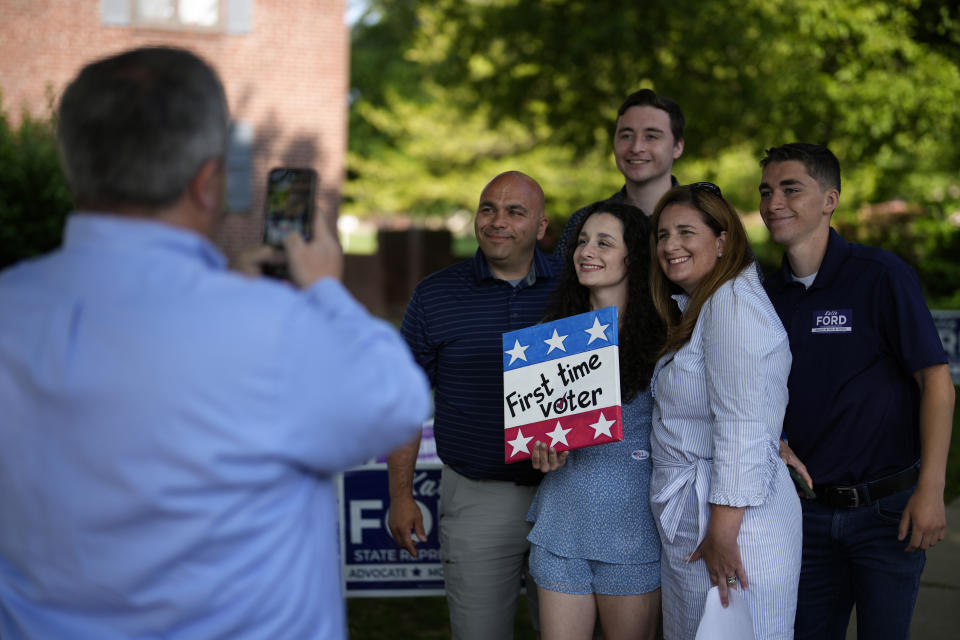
727,511
594,546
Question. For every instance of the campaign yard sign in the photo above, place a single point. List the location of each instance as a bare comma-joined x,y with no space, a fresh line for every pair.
561,384
948,326
372,563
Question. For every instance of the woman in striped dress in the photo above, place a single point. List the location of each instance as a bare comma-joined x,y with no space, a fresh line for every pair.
725,505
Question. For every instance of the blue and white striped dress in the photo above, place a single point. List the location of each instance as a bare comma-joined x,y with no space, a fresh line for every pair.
717,419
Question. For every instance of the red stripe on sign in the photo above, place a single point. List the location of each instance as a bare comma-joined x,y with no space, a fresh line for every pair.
597,426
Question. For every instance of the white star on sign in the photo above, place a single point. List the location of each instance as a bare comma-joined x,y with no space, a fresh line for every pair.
519,443
602,426
517,352
597,331
556,342
558,435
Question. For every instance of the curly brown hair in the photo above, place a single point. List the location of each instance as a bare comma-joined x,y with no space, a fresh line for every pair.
641,332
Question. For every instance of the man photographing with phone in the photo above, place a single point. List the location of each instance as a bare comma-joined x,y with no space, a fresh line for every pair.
169,429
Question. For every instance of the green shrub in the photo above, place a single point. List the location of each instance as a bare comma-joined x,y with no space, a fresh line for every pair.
34,198
925,235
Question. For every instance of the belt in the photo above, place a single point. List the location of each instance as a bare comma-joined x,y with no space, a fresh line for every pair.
867,493
520,480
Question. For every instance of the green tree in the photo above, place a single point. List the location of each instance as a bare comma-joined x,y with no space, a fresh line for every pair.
857,75
449,91
34,198
422,147
428,159
876,79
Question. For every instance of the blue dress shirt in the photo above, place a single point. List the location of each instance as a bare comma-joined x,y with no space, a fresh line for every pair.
169,433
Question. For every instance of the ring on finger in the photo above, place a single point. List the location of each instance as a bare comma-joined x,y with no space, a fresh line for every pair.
731,580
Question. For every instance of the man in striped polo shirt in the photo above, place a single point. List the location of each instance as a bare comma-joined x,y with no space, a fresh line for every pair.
453,325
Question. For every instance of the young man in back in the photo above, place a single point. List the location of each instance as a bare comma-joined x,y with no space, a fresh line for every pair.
648,137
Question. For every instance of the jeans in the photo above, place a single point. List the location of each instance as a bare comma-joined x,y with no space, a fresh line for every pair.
852,556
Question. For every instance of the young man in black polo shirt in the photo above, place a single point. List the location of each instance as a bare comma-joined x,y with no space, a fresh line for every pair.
453,325
871,405
647,138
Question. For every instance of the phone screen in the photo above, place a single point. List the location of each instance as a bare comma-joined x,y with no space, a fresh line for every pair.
289,205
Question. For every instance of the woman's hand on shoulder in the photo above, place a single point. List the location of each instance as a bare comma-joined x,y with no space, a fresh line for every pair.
546,459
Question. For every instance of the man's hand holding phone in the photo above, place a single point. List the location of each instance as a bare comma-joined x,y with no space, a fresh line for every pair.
250,261
320,257
297,246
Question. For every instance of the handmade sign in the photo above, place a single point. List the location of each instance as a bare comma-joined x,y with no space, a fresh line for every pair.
561,384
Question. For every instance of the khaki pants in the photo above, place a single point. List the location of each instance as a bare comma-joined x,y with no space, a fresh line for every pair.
483,542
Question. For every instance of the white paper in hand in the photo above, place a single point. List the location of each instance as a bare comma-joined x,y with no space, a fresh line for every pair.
732,623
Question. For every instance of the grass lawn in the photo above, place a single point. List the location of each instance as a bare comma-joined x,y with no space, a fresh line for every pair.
414,619
426,618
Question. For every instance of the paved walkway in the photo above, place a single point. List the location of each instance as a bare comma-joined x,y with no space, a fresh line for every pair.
937,616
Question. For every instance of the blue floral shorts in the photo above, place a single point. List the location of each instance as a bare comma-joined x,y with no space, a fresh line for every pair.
581,577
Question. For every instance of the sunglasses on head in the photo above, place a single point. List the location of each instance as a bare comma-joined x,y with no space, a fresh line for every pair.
709,187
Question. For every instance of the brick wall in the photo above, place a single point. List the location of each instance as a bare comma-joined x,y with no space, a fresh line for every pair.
288,77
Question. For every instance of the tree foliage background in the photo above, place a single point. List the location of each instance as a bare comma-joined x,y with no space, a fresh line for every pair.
446,93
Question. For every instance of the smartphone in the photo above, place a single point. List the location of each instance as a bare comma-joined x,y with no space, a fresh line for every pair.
802,485
289,208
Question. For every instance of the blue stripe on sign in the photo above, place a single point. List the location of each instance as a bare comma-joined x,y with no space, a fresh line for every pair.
560,338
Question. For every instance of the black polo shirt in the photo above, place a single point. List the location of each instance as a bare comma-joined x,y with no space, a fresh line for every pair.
857,336
453,325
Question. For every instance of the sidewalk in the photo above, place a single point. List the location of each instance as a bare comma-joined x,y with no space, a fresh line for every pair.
937,616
